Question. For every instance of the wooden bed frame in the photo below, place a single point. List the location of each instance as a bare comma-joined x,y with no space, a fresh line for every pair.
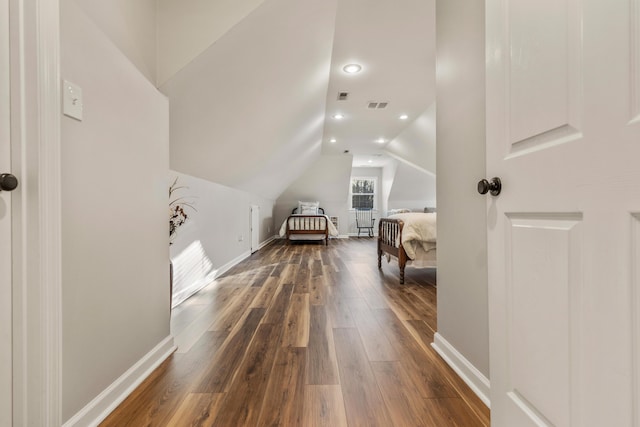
308,224
390,232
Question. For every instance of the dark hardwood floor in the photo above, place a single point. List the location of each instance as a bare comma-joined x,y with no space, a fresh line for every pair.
306,335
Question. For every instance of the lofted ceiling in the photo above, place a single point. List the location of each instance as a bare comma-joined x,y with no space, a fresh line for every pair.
254,109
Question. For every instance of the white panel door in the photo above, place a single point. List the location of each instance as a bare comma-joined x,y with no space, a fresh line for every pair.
5,226
255,228
563,134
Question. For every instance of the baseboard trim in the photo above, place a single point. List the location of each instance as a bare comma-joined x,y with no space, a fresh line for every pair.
266,242
228,266
214,274
469,374
99,408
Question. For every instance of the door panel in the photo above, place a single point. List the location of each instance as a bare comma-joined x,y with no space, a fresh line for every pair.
543,274
255,228
5,226
543,72
561,76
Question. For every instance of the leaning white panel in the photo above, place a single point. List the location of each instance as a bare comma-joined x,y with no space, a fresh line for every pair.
544,73
634,71
543,290
635,310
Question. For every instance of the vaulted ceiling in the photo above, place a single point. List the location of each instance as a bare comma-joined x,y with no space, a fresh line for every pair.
252,107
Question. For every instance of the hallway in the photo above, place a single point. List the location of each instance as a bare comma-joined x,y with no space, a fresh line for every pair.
306,335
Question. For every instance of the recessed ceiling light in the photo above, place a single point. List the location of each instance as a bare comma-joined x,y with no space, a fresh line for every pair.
352,68
338,116
404,117
380,140
333,140
370,161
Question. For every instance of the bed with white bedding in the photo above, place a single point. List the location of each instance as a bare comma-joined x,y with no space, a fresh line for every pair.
307,222
410,238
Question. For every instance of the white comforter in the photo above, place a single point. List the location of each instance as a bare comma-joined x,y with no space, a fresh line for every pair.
419,232
333,231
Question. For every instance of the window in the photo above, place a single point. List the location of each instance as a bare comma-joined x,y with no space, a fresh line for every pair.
363,193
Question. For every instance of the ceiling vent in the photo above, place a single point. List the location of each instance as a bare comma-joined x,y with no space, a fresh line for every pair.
342,96
372,105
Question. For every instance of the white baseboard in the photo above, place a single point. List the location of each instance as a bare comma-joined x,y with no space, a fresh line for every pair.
266,242
469,374
214,274
99,408
237,260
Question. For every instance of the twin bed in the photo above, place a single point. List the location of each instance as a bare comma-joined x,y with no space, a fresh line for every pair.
307,224
410,238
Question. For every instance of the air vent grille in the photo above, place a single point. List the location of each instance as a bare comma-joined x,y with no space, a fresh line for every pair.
342,96
375,105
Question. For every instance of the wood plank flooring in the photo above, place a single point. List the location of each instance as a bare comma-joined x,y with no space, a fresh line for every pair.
306,335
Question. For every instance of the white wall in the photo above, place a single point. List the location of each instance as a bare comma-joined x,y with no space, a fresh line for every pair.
210,238
115,248
187,27
130,25
462,258
327,181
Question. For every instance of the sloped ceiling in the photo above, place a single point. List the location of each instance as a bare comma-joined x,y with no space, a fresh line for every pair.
326,180
130,25
249,111
411,185
416,144
187,27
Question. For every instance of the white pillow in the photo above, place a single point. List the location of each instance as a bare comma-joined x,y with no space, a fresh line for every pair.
308,208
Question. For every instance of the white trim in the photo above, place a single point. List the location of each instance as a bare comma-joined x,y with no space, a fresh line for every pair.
35,128
178,298
635,316
237,260
469,374
100,407
50,207
266,242
219,272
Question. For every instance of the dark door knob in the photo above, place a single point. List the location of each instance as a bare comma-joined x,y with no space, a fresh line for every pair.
494,186
8,182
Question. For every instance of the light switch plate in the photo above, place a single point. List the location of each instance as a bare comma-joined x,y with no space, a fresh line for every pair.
72,100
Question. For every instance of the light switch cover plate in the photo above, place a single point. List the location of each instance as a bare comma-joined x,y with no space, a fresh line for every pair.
72,100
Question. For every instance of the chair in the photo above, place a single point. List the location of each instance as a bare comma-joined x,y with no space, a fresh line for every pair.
365,221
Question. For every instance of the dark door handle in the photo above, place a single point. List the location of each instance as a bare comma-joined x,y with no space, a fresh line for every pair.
494,186
8,182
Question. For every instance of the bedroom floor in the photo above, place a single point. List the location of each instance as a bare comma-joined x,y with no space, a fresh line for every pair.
306,335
